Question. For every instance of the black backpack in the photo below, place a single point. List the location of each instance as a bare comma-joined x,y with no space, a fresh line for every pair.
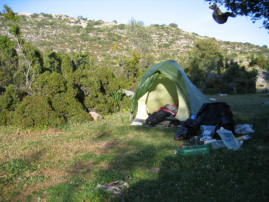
216,114
157,117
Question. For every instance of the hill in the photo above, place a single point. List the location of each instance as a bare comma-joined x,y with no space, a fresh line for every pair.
72,34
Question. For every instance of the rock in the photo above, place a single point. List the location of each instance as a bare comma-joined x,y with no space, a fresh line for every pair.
263,77
213,99
95,116
114,187
128,93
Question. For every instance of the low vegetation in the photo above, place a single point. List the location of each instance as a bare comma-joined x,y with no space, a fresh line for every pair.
67,163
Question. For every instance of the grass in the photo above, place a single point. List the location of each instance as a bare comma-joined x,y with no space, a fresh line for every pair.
68,163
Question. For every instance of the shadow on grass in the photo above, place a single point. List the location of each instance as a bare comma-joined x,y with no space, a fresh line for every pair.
155,173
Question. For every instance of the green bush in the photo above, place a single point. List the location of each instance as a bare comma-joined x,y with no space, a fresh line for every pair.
121,26
102,87
6,117
173,25
239,79
84,37
36,111
50,84
10,99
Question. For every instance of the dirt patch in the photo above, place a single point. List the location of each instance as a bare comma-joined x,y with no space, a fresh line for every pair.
138,133
81,168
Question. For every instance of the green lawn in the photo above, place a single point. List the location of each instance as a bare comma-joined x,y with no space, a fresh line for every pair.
68,163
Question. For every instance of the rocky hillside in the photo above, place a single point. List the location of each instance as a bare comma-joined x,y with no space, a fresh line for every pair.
72,34
104,40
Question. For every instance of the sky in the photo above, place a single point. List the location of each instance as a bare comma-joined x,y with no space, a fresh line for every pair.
189,15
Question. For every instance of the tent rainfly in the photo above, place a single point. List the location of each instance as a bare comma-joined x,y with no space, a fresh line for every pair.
166,83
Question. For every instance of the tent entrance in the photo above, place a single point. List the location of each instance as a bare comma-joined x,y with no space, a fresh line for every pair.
162,92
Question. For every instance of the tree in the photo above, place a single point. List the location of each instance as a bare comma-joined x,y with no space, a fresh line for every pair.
208,54
32,63
8,61
256,9
173,25
140,36
52,61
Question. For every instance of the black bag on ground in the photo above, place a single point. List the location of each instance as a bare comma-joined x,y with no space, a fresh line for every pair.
216,114
187,130
157,117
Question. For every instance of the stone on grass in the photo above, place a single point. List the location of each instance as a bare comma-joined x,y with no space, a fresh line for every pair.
114,187
128,93
213,99
95,116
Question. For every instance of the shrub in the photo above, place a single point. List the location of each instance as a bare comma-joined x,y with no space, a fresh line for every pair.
121,26
239,79
34,15
10,99
173,25
103,87
36,111
84,37
6,117
50,84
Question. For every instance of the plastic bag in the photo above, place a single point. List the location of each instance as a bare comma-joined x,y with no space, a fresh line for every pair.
207,132
244,129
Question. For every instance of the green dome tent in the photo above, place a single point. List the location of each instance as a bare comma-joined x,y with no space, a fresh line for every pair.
166,83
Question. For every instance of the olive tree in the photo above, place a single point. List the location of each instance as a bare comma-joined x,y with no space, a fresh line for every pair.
31,63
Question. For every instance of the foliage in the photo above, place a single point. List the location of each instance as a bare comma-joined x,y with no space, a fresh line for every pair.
66,65
10,15
33,65
131,66
195,73
239,79
10,99
173,25
36,111
207,54
52,61
81,60
255,9
261,62
103,86
140,36
8,104
32,62
50,84
121,26
8,60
